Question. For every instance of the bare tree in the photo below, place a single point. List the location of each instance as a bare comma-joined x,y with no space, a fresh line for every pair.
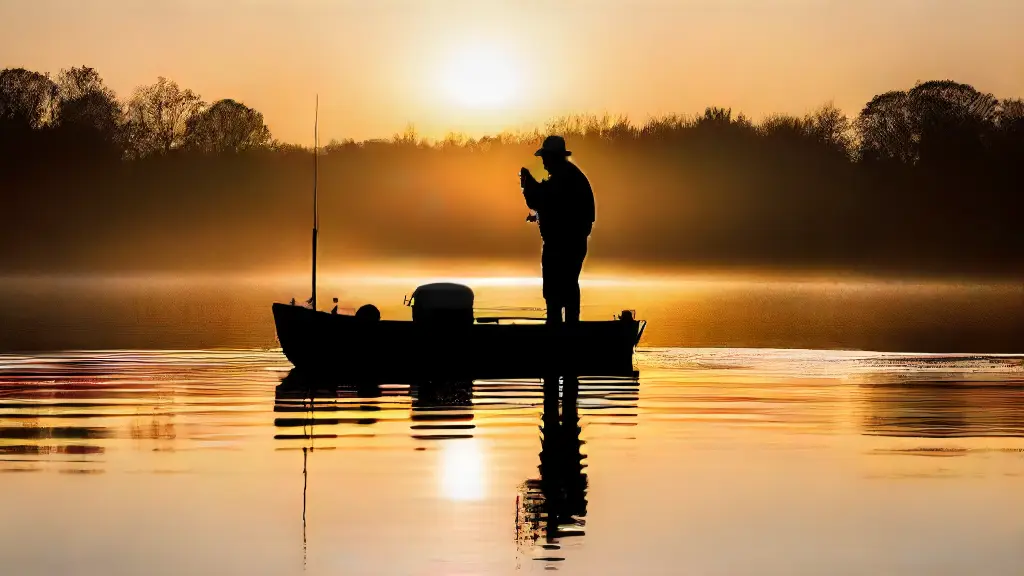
85,102
830,126
783,126
1010,117
227,126
935,121
26,97
159,115
1011,112
887,130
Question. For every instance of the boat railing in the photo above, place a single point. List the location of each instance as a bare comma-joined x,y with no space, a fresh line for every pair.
498,319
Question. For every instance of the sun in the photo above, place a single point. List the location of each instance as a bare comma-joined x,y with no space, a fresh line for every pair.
481,77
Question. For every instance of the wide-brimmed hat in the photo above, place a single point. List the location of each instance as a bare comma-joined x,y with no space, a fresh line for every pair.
553,146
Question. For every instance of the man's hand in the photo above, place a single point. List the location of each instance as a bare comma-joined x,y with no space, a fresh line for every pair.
529,185
525,178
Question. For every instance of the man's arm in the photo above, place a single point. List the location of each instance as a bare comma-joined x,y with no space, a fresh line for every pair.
589,208
533,192
584,203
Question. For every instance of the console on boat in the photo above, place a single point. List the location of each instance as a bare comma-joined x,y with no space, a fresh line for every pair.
442,303
449,304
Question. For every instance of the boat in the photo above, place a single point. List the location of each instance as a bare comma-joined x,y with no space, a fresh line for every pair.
445,338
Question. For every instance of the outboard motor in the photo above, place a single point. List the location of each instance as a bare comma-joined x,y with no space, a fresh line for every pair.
443,304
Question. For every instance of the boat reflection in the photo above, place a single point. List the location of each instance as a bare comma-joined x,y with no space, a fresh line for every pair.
440,409
443,410
549,507
437,409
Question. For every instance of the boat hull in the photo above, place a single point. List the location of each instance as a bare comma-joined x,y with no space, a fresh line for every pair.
321,342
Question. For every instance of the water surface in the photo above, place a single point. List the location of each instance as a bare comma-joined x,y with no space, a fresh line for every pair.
716,461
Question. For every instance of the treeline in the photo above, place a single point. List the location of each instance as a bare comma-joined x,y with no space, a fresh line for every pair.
927,179
77,113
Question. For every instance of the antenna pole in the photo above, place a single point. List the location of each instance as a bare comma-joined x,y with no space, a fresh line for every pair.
316,209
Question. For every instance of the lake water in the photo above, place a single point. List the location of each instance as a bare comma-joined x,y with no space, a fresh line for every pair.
716,461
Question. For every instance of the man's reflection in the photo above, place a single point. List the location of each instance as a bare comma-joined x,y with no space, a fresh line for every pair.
555,504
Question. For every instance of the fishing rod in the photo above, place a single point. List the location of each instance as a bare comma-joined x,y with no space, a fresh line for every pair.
316,208
305,471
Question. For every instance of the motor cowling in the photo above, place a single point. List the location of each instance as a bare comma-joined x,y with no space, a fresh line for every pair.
442,303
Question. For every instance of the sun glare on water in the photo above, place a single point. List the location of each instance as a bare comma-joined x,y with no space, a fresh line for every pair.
481,77
462,470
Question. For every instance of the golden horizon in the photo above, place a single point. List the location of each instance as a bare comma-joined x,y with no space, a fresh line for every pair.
455,66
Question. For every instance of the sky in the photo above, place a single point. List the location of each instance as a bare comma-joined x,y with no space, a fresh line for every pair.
483,66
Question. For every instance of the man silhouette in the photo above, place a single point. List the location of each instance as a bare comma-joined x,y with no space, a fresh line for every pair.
564,207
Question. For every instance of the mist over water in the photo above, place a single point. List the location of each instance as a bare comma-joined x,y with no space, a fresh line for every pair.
683,310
